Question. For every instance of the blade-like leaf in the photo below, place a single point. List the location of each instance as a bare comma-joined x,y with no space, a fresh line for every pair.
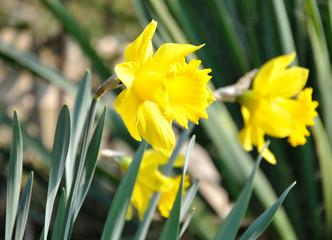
223,133
145,223
263,221
79,168
14,177
73,28
188,198
79,115
231,224
171,228
90,163
186,223
325,164
23,210
59,155
59,216
117,214
32,63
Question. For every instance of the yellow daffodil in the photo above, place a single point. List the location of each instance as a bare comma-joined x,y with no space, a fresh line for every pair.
150,180
270,107
160,88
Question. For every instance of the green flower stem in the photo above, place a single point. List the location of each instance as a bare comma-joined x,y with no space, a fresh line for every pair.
72,200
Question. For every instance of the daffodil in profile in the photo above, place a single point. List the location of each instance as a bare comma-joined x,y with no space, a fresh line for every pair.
150,180
160,88
277,105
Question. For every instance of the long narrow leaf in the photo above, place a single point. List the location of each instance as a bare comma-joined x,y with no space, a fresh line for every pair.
231,224
117,214
59,155
72,199
263,221
223,133
325,164
145,223
73,27
32,63
186,223
171,228
23,210
90,163
188,198
14,177
284,28
79,115
59,216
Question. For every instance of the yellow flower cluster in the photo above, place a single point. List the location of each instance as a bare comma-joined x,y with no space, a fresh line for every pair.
160,88
276,105
150,180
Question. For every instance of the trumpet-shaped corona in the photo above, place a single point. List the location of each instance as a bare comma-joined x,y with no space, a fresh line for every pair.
160,88
276,105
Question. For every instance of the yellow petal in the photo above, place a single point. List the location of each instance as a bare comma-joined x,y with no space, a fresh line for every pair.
140,199
288,83
167,198
155,129
187,93
245,138
270,69
127,105
152,157
269,156
129,215
141,49
152,179
170,53
126,72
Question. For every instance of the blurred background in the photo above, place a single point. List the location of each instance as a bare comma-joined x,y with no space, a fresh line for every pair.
47,45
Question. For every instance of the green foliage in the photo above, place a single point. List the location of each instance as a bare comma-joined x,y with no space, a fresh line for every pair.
59,155
14,178
117,214
23,210
239,36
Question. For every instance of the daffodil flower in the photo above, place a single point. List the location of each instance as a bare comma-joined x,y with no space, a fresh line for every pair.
276,105
160,88
150,180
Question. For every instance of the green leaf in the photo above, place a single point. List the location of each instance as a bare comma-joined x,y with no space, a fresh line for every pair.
23,210
90,163
284,28
231,224
117,213
78,118
145,223
188,198
79,168
14,177
59,155
75,30
56,233
322,64
325,165
186,222
263,221
32,63
171,228
238,163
